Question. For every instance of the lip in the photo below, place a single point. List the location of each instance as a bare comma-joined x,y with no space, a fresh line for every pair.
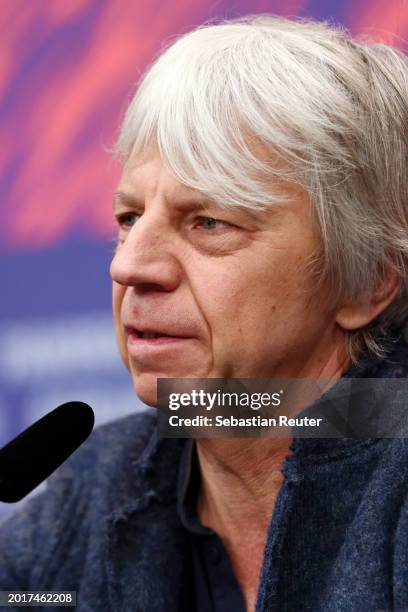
133,331
134,339
138,347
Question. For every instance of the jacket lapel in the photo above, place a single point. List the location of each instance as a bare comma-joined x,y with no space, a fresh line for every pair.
149,556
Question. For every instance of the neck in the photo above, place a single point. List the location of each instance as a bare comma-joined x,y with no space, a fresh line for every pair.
240,481
241,477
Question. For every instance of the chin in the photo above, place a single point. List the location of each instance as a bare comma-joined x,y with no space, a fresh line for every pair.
146,389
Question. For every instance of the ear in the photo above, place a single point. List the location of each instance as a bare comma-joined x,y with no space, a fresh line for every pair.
354,315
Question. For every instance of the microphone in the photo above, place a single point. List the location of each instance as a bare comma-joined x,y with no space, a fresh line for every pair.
39,450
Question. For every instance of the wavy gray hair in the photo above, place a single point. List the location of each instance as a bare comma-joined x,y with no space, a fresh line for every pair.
332,113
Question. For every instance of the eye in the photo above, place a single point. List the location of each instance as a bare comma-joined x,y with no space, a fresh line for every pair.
209,223
126,220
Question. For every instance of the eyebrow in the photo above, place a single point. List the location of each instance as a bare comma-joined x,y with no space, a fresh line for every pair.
121,197
183,203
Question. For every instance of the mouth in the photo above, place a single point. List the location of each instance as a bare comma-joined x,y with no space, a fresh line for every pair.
159,348
139,339
148,335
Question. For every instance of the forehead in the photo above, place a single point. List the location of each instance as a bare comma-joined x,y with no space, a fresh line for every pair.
145,174
146,177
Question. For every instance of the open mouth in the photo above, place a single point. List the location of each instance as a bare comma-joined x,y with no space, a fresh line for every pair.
134,335
149,335
141,343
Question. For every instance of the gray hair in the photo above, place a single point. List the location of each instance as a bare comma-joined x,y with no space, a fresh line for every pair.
332,114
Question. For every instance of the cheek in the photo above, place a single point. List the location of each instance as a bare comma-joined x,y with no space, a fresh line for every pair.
228,305
118,293
246,299
222,297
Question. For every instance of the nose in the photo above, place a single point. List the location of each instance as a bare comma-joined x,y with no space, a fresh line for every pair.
146,258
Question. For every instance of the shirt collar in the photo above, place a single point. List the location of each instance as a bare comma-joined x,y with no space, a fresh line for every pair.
188,485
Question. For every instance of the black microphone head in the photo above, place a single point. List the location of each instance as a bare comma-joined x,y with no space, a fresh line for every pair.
39,450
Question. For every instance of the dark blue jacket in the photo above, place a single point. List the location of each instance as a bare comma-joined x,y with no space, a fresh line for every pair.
107,527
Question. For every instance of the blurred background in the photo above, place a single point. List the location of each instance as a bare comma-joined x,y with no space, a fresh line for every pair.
67,71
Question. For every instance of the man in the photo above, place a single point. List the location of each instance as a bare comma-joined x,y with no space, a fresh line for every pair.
262,216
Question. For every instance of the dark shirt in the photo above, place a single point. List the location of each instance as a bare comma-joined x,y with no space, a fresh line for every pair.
215,588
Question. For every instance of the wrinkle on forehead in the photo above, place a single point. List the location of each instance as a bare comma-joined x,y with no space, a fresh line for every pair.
291,189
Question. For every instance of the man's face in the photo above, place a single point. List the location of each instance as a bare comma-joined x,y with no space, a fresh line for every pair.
227,290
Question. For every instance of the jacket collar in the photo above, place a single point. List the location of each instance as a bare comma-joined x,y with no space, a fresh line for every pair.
394,364
148,554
